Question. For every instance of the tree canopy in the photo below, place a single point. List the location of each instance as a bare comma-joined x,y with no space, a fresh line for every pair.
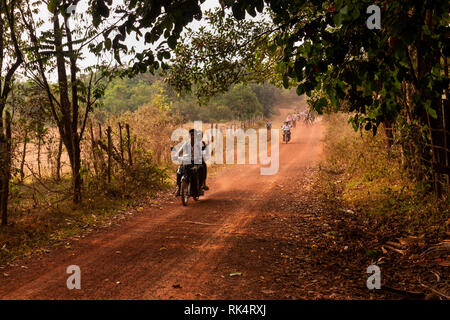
326,45
240,102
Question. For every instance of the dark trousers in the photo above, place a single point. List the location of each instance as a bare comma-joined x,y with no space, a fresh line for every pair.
203,172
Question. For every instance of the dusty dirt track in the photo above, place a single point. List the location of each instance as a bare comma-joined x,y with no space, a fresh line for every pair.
257,226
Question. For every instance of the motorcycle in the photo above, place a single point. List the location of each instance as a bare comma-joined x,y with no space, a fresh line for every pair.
190,183
190,180
286,136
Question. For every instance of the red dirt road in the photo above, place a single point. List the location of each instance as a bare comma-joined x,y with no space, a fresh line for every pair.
243,225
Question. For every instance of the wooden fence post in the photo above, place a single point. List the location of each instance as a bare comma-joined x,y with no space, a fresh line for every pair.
130,159
58,159
109,153
121,140
93,147
100,131
446,151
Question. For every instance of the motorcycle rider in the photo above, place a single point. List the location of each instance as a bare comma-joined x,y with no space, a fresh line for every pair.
287,128
188,148
268,125
294,120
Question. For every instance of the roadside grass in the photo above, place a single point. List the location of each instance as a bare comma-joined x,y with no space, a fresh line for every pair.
361,173
42,214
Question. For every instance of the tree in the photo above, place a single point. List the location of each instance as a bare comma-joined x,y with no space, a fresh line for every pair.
226,52
242,102
32,116
10,59
267,95
124,94
400,71
76,94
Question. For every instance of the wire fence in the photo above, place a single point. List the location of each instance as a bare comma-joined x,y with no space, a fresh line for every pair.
431,156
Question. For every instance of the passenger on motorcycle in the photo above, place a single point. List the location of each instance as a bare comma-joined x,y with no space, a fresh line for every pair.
288,119
189,148
287,128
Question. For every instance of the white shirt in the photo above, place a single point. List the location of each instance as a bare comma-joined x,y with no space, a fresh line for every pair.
286,127
192,152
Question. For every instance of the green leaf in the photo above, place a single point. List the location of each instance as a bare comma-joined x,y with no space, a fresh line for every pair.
102,8
319,104
299,64
238,11
430,110
251,11
148,37
172,42
108,44
355,13
53,5
300,90
259,5
337,19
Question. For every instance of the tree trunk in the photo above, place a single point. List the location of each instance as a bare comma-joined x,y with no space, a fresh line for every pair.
5,166
76,167
68,125
130,159
9,16
73,150
109,153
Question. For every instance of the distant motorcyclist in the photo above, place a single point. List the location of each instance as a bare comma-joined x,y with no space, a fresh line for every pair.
310,117
189,148
268,125
294,120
